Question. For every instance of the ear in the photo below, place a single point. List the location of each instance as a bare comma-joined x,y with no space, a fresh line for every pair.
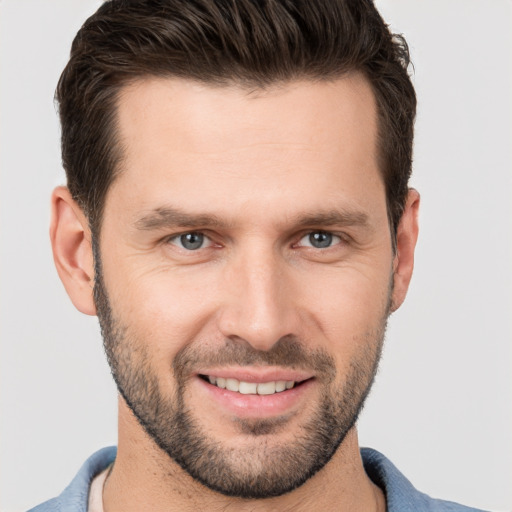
72,250
406,237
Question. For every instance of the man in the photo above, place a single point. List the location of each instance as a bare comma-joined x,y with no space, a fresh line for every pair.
238,216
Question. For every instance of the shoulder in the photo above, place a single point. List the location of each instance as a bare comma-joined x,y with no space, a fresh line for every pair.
75,495
401,495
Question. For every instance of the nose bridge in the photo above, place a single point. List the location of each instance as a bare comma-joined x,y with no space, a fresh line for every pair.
258,303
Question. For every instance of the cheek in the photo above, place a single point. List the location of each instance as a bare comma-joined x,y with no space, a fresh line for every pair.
166,308
349,307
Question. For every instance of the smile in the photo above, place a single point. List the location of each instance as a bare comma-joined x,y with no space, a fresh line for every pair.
256,392
250,388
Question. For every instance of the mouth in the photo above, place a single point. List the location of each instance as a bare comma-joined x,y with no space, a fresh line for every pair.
251,388
256,393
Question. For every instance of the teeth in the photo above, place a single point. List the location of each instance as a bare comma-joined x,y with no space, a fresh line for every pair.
247,388
232,384
266,388
252,388
280,386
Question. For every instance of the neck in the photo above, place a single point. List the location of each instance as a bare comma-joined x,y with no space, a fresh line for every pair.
145,478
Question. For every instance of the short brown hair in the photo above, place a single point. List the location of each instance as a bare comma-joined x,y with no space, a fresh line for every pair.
247,42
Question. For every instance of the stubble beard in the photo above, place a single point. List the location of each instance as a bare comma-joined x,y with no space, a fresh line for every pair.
265,469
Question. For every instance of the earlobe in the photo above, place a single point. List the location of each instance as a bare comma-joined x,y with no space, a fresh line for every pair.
72,250
406,237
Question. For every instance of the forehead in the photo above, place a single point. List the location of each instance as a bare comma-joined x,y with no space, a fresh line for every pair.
284,141
206,118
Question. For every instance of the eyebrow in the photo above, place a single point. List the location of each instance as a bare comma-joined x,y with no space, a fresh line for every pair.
343,217
171,217
168,217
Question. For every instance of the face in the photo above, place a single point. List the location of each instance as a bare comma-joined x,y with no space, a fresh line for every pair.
244,274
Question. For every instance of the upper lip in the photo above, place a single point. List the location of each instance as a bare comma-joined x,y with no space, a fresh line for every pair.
259,375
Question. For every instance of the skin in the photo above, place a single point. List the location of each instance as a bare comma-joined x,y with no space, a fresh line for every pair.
260,162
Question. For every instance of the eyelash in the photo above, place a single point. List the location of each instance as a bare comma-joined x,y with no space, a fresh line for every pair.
341,238
322,232
180,235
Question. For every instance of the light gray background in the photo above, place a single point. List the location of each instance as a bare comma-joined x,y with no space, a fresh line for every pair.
442,405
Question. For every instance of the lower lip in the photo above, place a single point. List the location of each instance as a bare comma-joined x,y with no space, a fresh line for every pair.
257,406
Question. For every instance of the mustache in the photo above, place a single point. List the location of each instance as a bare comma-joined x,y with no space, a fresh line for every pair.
287,352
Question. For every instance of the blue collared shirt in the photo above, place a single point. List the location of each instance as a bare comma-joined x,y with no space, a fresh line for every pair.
401,496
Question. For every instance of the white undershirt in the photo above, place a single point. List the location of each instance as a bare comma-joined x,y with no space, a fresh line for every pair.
95,503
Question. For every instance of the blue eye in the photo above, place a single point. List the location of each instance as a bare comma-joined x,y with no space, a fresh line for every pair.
319,240
190,241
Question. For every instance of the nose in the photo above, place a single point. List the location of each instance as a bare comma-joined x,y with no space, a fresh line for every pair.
258,306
